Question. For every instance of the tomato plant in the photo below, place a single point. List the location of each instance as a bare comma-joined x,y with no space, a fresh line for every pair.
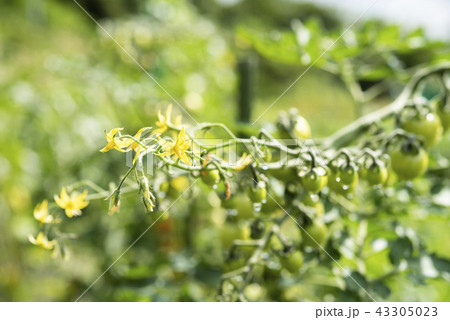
275,207
269,212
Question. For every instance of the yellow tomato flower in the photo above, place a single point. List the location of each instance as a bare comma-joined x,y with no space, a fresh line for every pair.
244,161
41,213
178,148
135,146
124,144
177,121
164,121
42,241
73,204
114,143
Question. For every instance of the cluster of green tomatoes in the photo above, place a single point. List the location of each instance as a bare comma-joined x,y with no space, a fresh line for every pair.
400,158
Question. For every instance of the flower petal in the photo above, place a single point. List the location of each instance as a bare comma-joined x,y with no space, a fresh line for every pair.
123,144
63,199
183,156
110,145
186,159
169,113
180,137
178,120
70,213
32,239
79,202
113,132
166,153
138,134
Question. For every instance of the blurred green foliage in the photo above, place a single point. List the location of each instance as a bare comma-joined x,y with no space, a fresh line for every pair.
63,81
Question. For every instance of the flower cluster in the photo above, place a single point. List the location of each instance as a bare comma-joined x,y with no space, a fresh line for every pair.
177,148
71,204
173,150
125,144
137,143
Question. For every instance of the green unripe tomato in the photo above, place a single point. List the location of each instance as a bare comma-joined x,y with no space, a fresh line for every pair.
272,205
348,188
164,186
253,292
292,262
315,234
173,187
349,175
310,199
391,179
230,231
241,203
313,200
244,207
292,232
335,184
429,127
377,175
258,193
275,244
409,164
210,177
234,263
230,203
301,128
179,184
314,180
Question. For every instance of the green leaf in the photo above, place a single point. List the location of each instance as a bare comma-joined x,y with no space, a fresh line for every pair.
388,36
139,272
401,249
381,289
278,46
373,73
442,265
355,281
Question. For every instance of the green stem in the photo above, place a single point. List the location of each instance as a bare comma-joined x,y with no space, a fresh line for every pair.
87,183
354,130
353,87
255,257
206,125
104,195
126,176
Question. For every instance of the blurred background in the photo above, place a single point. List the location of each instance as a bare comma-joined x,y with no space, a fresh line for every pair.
63,81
